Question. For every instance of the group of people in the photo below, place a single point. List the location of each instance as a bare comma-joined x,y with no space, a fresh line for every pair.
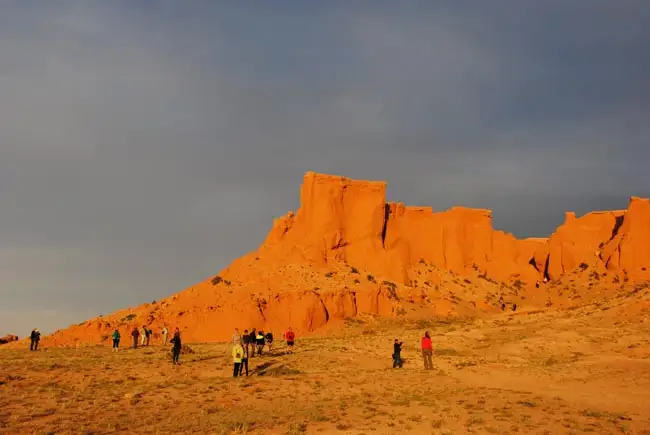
144,335
427,352
245,346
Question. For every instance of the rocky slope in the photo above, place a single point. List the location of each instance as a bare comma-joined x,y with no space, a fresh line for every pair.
347,252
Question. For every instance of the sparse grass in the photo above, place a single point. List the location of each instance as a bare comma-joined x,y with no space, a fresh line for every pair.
331,384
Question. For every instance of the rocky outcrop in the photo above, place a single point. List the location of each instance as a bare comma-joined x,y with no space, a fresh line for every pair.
577,241
629,245
8,339
346,252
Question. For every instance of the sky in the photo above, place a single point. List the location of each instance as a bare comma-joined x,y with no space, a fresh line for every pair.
145,145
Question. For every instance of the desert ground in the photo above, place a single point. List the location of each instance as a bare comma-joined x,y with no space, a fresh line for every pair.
585,369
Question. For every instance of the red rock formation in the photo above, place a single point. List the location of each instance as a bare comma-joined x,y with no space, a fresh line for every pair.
629,247
347,252
576,241
8,339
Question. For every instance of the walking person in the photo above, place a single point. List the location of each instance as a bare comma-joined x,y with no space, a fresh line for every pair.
237,357
143,335
116,341
290,337
135,334
244,360
164,333
176,350
427,351
397,354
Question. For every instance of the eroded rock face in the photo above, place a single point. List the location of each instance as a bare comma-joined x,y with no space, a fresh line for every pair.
347,252
577,241
629,247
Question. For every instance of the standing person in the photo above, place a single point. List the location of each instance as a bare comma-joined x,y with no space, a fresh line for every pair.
143,335
427,351
164,335
176,350
135,334
237,356
116,340
269,340
397,354
236,337
290,337
244,360
34,338
259,340
147,333
252,337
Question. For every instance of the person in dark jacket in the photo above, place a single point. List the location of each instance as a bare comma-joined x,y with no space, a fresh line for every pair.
397,354
176,350
135,334
269,340
34,338
252,338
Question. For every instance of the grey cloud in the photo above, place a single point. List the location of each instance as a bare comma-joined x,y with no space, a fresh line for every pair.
143,148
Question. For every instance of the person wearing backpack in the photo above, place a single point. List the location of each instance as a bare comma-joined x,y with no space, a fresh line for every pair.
427,351
237,357
116,341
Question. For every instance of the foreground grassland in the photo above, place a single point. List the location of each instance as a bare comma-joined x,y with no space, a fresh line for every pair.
543,373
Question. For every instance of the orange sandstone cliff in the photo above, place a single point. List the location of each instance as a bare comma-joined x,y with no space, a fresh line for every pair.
347,252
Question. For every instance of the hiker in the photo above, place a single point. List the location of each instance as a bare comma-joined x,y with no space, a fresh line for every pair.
252,337
34,338
143,336
290,337
164,335
135,334
503,307
244,360
116,340
259,340
427,351
397,354
237,356
236,337
514,307
176,350
147,334
269,340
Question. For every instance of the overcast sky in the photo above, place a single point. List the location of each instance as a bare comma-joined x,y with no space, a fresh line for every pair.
144,145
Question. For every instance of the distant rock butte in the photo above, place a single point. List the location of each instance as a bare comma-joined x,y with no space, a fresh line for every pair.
347,252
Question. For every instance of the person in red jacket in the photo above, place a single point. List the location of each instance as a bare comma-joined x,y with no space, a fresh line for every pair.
427,351
290,336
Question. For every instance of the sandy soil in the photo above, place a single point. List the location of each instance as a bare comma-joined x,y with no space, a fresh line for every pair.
547,372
